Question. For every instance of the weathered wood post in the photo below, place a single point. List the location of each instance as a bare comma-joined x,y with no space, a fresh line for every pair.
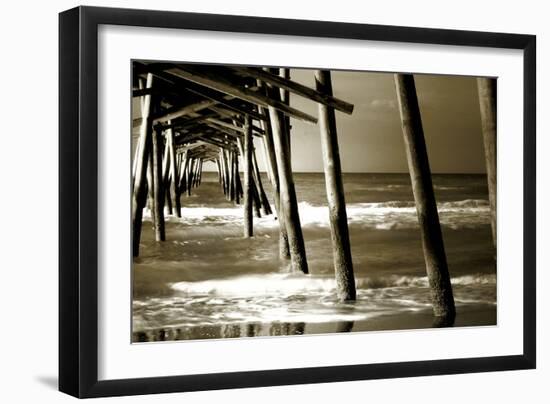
190,172
183,173
228,173
257,203
150,181
287,191
196,178
428,218
259,186
158,188
271,162
285,97
174,191
139,193
237,179
341,248
223,166
248,221
232,181
166,178
487,90
217,162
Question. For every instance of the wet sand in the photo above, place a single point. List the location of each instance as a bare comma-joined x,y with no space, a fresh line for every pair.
467,316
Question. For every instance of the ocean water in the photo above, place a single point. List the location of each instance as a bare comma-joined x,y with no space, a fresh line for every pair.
207,281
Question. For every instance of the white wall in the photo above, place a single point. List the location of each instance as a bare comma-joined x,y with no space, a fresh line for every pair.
28,163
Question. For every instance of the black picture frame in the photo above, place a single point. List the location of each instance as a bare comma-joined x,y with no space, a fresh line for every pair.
78,201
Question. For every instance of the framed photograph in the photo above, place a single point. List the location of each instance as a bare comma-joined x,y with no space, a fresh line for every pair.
252,201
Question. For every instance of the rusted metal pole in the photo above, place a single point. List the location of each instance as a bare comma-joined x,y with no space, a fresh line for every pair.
248,221
487,90
341,248
428,218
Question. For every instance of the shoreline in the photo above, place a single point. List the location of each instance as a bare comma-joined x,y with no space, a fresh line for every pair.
472,315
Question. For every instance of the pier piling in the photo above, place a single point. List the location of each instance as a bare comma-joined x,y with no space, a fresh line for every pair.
341,248
487,90
139,192
158,187
428,217
248,201
288,194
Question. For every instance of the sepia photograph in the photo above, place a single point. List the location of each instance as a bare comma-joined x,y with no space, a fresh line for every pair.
276,201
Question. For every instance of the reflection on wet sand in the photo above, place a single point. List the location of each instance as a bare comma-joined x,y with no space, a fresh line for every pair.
228,331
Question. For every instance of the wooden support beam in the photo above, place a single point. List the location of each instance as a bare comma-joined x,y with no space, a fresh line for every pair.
232,181
264,202
248,221
174,191
271,164
221,158
151,182
200,171
190,175
184,123
296,88
166,174
238,184
487,90
428,218
222,99
185,110
158,189
341,248
288,201
230,111
227,171
214,142
285,97
284,73
139,193
143,91
234,134
187,138
234,127
217,162
183,173
236,178
225,86
256,199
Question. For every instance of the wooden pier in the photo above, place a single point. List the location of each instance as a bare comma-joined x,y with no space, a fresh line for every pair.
194,114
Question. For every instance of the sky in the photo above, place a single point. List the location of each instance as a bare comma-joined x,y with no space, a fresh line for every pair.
371,139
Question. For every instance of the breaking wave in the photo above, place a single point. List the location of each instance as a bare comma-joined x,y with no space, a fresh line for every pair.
291,284
468,213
